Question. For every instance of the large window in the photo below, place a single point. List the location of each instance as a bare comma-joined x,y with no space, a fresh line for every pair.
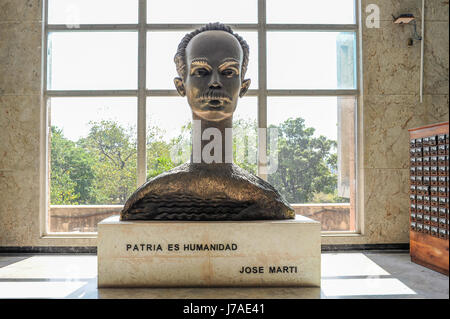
116,120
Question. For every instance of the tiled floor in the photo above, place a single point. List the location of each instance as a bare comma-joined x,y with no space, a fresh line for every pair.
344,275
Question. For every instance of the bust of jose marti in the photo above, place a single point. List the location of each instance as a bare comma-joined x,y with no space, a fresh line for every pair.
211,63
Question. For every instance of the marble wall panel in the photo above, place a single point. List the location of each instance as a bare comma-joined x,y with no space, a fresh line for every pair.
20,10
19,218
437,108
387,119
20,124
436,58
386,205
390,66
20,58
392,7
435,10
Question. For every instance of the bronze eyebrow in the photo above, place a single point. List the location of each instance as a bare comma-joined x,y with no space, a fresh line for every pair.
230,63
230,60
200,62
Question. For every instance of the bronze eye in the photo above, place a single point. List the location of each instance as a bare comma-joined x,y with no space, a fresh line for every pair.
201,72
228,72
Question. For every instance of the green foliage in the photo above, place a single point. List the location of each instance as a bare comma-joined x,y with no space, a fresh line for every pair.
305,163
98,169
101,168
72,173
159,157
114,149
245,139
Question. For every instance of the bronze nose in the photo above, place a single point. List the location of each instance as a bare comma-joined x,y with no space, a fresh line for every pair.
215,83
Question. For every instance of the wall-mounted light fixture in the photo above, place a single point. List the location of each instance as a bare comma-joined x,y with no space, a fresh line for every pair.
404,18
408,18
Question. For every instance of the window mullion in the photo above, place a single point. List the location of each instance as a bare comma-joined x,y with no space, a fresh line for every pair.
190,26
312,92
141,114
262,93
312,27
93,27
87,93
44,181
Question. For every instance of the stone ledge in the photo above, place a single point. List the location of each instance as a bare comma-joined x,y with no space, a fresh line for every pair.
209,254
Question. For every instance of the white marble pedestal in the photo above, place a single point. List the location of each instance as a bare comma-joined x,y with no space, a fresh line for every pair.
208,254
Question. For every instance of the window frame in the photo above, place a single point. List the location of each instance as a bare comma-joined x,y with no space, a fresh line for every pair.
142,92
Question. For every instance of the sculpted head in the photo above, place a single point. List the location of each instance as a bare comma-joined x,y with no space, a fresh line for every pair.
211,64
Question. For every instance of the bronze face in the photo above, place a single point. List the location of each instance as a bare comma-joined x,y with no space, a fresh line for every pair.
213,75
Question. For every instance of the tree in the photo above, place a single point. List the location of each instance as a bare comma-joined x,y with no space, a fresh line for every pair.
162,155
114,150
72,175
101,168
305,163
245,141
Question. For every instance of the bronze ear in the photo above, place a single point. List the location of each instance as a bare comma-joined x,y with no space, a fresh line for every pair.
179,85
244,87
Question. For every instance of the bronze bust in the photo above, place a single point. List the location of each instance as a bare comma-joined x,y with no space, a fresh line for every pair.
211,62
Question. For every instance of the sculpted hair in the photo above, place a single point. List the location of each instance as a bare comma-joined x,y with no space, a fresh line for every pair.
180,56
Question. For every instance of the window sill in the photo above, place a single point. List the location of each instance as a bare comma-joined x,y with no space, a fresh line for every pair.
69,236
95,235
341,234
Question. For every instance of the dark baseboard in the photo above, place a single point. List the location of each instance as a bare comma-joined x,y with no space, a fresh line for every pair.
93,250
366,247
47,250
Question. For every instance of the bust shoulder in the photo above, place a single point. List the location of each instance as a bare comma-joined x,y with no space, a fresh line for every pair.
206,192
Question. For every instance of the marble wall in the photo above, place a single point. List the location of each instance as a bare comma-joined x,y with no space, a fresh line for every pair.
390,105
20,126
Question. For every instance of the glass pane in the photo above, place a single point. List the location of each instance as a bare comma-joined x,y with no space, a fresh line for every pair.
316,156
75,12
202,11
311,60
311,12
169,133
92,60
92,150
245,134
252,69
161,49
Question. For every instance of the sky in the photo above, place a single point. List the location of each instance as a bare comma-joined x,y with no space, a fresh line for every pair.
108,60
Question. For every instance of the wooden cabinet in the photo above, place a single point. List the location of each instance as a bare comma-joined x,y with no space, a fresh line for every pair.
429,196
